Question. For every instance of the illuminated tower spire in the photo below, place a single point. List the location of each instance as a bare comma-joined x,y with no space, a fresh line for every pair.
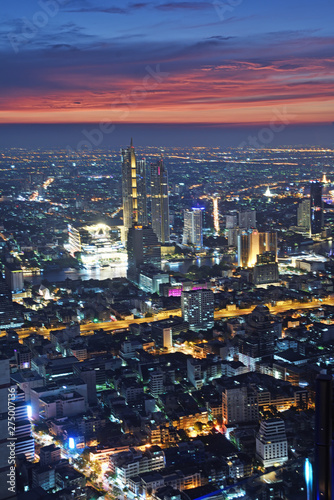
215,213
133,189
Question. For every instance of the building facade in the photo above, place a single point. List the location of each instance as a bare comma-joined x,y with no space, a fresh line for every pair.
160,202
198,308
271,442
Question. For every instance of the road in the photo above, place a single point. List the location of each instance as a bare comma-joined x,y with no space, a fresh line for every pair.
89,328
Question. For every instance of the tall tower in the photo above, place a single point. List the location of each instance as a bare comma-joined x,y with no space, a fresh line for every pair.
141,192
317,215
133,189
304,215
159,201
215,213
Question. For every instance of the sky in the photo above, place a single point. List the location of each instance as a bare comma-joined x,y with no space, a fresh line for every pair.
198,65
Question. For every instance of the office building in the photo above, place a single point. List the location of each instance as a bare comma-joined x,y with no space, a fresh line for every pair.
156,383
10,316
324,437
141,192
261,328
239,404
143,248
271,443
266,269
24,443
231,221
133,189
167,338
14,277
193,227
50,454
150,278
198,308
247,219
317,213
160,202
304,216
5,450
252,243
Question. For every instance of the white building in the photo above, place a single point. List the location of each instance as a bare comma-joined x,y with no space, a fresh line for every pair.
156,383
193,227
271,443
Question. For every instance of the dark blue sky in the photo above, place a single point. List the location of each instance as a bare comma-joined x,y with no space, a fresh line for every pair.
231,61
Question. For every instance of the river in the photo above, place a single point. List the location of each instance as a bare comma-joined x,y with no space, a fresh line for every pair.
178,266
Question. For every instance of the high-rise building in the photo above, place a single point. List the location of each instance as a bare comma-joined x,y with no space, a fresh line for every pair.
141,192
239,404
324,437
159,201
198,308
271,443
265,269
231,220
7,446
133,189
156,383
317,214
252,243
304,215
261,329
14,277
143,248
193,227
247,219
10,316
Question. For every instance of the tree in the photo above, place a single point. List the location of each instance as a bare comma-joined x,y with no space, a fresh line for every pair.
198,426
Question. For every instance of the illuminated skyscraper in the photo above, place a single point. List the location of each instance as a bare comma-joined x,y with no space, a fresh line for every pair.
133,189
141,192
215,213
317,214
193,227
252,243
159,201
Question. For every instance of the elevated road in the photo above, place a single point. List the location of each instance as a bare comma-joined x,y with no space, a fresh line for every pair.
89,328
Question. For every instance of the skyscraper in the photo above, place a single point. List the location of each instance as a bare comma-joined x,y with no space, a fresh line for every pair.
317,214
271,442
324,436
253,243
143,248
159,201
198,308
304,215
133,189
141,192
7,445
193,227
247,219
